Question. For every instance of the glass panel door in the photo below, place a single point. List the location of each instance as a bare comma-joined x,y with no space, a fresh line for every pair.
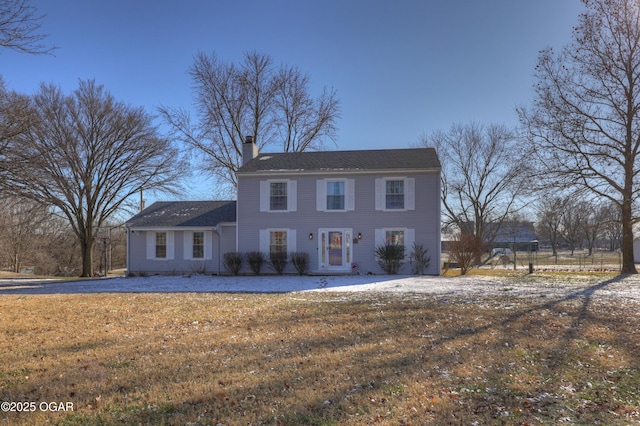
335,248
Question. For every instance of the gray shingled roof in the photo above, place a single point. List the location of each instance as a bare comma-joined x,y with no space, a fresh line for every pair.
184,213
381,159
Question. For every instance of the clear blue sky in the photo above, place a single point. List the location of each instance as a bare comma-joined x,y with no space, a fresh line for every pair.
400,68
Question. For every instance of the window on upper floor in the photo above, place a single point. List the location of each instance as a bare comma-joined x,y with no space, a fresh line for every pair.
394,195
278,195
335,195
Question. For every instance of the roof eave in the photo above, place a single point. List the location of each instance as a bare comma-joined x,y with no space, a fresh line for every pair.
298,172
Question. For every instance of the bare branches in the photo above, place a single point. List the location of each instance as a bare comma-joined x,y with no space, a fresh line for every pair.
251,98
86,154
584,125
19,25
303,122
480,175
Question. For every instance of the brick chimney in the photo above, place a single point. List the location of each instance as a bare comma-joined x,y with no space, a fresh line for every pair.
249,150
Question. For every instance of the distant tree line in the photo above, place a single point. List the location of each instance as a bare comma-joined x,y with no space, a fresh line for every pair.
576,151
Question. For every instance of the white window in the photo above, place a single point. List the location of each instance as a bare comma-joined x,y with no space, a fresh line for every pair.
279,240
396,236
198,245
160,245
335,195
395,194
278,195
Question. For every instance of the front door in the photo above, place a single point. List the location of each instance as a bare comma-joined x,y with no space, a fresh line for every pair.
335,249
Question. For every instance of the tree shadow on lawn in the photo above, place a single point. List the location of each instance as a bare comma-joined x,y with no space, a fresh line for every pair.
374,360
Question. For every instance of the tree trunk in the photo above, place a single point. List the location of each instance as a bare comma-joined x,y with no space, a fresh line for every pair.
628,262
86,247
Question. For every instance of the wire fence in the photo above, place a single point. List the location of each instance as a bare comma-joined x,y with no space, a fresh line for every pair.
604,261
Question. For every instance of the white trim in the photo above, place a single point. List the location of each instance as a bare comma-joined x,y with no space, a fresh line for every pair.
292,195
409,194
380,193
377,172
321,195
151,245
265,239
349,195
409,236
346,263
208,245
265,195
187,245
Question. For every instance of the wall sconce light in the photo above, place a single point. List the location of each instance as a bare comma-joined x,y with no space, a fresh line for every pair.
311,235
359,236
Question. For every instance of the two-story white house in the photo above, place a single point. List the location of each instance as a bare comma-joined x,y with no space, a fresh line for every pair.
337,206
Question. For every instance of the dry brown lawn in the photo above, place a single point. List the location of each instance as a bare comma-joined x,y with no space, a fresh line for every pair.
318,359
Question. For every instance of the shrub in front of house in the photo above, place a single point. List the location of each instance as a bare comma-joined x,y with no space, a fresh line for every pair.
255,259
390,257
300,261
278,262
419,259
233,262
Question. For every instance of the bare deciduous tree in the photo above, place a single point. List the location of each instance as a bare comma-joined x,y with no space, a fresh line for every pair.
480,176
549,217
464,250
21,224
251,99
573,222
594,224
85,155
14,114
19,26
612,226
584,124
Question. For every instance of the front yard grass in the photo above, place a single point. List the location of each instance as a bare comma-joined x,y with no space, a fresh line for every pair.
319,359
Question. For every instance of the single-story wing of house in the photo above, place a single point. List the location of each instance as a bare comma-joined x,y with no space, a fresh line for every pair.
181,237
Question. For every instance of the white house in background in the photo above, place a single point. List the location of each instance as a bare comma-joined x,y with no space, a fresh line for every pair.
337,206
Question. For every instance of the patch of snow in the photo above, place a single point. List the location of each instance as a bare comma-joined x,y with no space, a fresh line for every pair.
577,286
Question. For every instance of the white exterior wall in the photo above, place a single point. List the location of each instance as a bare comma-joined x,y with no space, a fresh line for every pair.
361,217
